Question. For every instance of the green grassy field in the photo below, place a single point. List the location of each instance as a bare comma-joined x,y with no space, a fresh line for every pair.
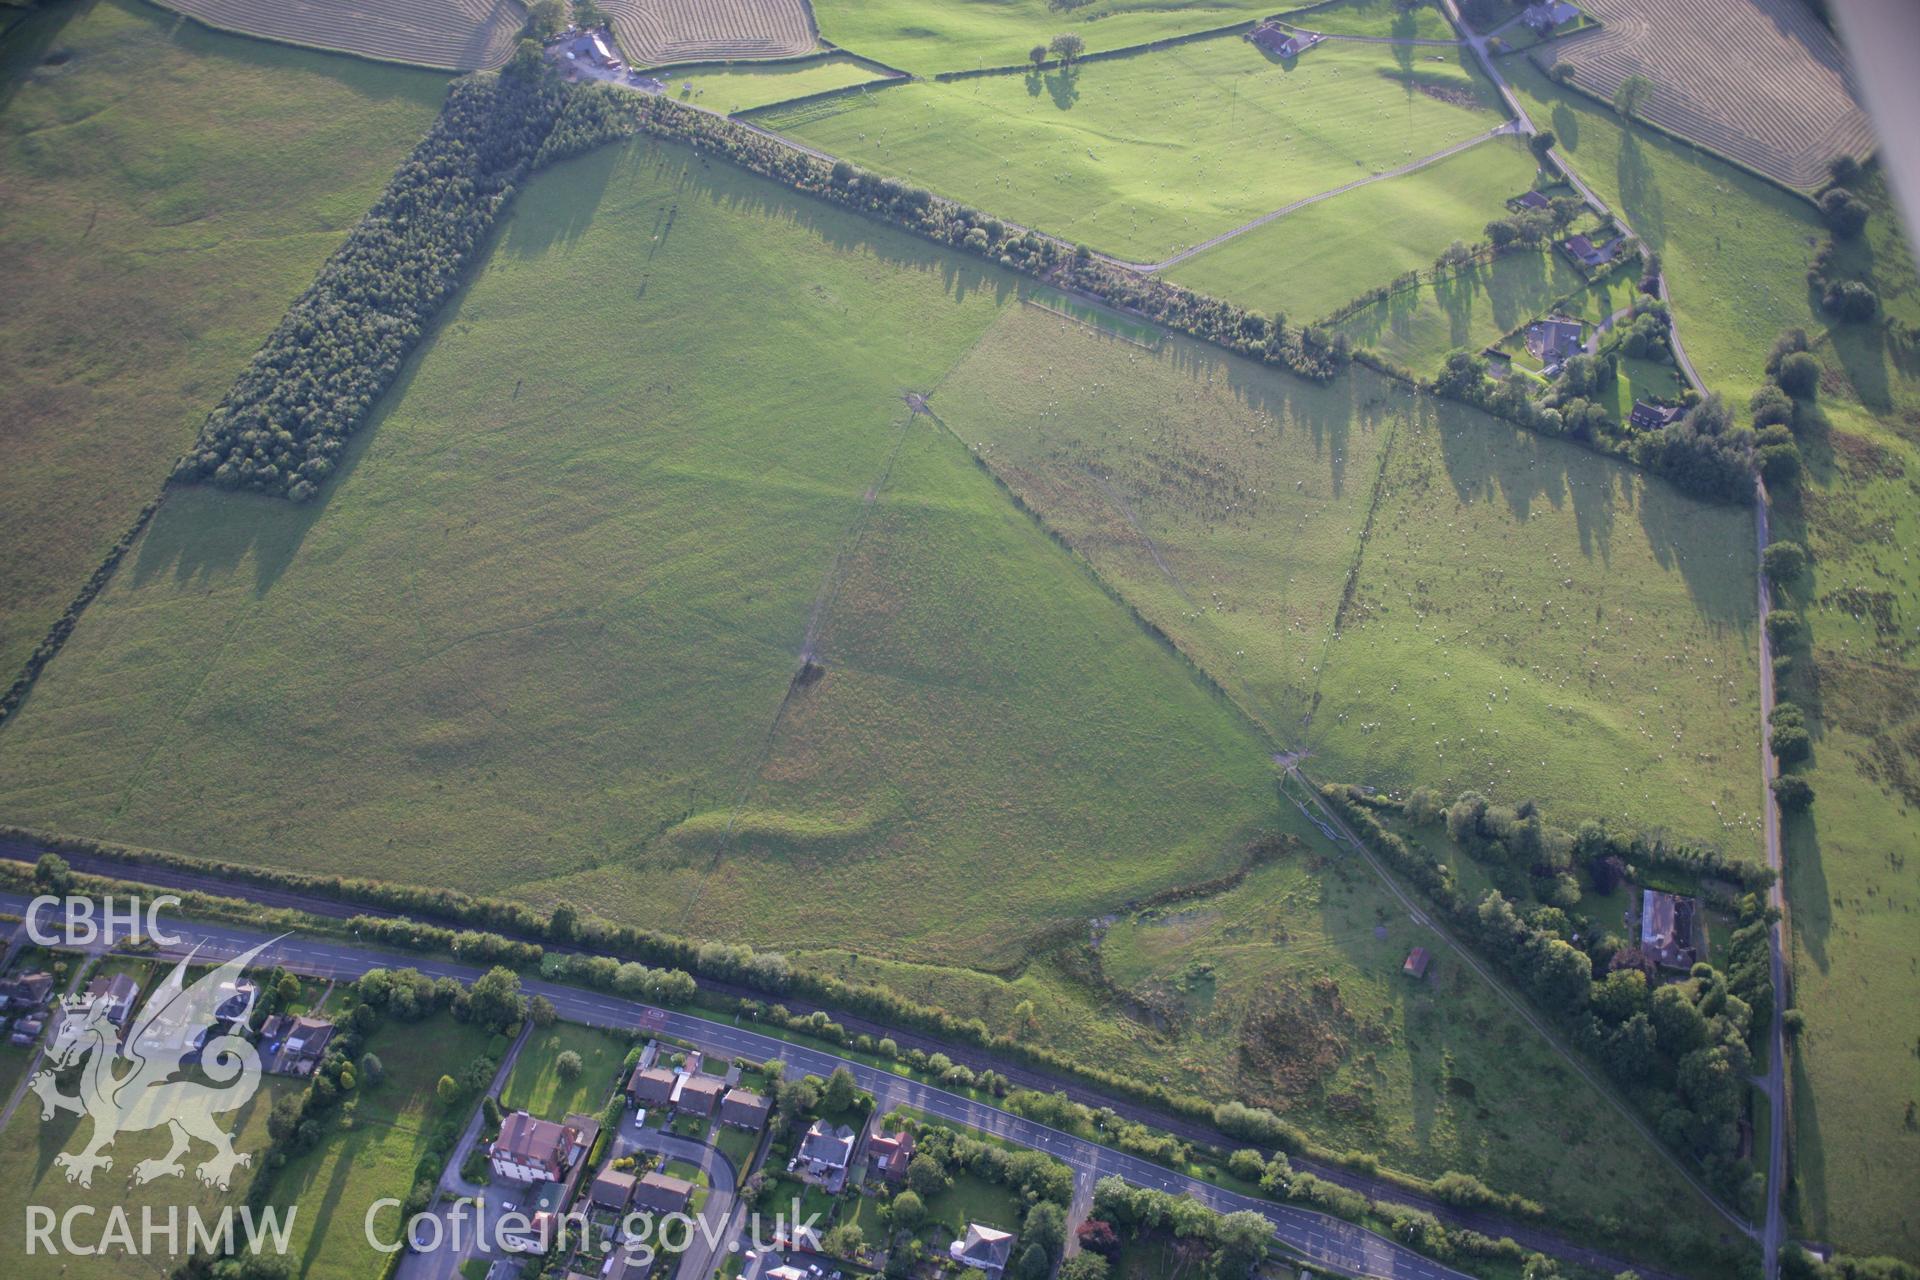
165,191
1610,670
1736,251
336,1183
744,86
1421,20
931,36
550,617
1466,310
1311,261
28,1176
534,1084
1146,155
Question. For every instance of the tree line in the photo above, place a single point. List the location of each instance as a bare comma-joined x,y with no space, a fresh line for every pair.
282,427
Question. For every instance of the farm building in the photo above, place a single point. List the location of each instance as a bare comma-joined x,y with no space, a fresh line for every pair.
1650,416
1417,962
1552,340
1666,929
1274,39
1545,16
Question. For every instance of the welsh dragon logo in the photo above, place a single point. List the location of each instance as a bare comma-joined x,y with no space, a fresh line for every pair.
130,1085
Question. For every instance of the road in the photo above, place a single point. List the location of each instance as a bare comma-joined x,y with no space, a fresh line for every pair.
1328,1242
723,1182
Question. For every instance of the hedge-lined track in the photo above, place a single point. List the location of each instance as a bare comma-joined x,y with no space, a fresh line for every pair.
1761,82
667,31
451,35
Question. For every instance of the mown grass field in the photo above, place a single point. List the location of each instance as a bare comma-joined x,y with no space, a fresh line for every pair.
1421,20
1736,251
1145,155
1527,618
165,191
535,1083
744,86
393,1123
1316,259
548,620
1466,310
926,37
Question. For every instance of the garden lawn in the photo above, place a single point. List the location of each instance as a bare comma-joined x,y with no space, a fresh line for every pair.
1467,310
1421,20
165,191
1143,156
1527,618
1316,259
1736,251
540,637
927,37
744,86
534,1084
335,1184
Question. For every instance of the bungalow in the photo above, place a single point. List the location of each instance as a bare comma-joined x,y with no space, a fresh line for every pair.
888,1154
294,1046
744,1109
1589,255
1649,416
1529,201
652,1086
1552,340
983,1247
1548,14
612,1190
28,991
824,1155
1417,962
531,1150
662,1193
698,1095
1274,39
119,992
1666,928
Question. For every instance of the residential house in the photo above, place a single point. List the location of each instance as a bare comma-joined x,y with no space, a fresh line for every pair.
1584,251
662,1193
698,1095
27,1030
1650,416
1530,201
787,1271
1548,14
824,1155
984,1247
27,991
1552,340
744,1109
612,1189
1417,962
294,1046
1280,42
652,1086
119,992
1666,928
530,1150
888,1154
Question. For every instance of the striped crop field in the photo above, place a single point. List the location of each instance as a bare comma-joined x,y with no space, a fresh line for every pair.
450,35
655,32
1761,82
